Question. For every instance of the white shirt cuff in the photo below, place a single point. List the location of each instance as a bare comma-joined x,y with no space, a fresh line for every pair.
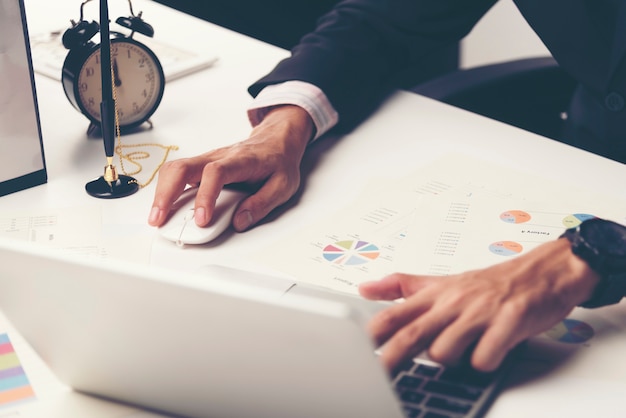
308,96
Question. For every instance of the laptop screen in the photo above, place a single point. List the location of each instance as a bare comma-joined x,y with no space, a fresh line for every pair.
22,161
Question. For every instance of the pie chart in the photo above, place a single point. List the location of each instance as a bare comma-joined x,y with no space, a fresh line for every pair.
350,252
506,248
571,331
572,221
515,216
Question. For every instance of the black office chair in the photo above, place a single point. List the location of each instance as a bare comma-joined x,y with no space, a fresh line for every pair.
532,94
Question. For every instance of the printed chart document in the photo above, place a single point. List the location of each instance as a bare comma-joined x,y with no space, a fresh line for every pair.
448,216
459,232
358,243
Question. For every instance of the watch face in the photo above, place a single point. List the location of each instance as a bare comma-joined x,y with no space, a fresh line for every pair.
138,82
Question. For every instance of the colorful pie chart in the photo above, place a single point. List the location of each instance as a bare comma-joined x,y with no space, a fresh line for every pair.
571,331
515,216
572,221
351,252
506,248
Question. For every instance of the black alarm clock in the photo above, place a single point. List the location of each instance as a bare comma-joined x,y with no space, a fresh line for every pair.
138,79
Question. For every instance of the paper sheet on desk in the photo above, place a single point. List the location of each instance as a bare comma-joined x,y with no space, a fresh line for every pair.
383,230
49,54
77,230
459,231
359,242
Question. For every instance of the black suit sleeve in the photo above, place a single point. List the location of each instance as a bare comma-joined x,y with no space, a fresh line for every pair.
358,47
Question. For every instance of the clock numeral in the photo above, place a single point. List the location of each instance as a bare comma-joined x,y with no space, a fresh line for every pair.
137,63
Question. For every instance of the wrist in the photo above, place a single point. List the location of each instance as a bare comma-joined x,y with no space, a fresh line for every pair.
284,134
583,276
295,120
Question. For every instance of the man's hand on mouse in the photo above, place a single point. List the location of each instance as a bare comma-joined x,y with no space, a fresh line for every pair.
270,157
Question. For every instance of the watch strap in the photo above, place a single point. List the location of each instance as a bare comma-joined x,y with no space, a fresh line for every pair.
612,286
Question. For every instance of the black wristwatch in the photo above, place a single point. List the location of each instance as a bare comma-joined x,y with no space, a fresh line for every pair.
602,245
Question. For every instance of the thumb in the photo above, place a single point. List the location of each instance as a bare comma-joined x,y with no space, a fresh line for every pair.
394,286
387,288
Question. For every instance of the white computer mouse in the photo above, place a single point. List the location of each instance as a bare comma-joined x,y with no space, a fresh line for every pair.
181,227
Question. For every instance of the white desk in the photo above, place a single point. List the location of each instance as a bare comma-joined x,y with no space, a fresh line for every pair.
207,109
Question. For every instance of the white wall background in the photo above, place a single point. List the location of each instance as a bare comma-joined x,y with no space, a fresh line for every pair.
502,35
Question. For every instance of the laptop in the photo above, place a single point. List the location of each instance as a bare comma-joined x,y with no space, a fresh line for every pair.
196,346
22,162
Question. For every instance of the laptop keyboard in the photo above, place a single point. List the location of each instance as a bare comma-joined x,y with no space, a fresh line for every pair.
429,390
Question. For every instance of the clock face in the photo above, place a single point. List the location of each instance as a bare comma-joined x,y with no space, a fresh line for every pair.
137,82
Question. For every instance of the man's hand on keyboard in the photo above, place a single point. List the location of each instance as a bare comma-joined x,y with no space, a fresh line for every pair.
491,310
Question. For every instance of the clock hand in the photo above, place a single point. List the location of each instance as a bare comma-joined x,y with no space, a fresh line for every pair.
118,82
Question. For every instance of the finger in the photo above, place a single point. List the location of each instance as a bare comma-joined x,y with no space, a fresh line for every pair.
384,324
490,351
173,177
215,175
208,192
413,338
387,288
393,286
276,191
506,332
452,344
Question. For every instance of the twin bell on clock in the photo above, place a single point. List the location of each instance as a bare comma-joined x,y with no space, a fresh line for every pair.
138,79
